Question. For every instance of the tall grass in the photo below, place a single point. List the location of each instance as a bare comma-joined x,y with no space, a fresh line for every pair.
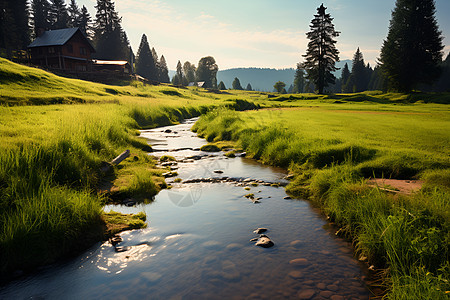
333,152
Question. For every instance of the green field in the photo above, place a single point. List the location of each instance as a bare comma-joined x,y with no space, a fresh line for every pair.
56,132
334,148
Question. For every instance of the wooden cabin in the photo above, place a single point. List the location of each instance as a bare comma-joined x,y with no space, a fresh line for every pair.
63,49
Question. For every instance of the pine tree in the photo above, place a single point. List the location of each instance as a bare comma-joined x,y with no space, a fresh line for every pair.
164,70
189,71
74,14
179,73
299,80
207,72
221,86
291,89
412,51
236,85
249,87
110,40
59,16
344,78
14,25
145,65
322,54
41,16
85,23
358,79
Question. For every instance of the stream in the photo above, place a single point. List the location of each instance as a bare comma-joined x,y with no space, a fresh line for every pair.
197,244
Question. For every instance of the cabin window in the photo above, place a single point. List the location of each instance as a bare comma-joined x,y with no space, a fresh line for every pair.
83,51
69,48
51,50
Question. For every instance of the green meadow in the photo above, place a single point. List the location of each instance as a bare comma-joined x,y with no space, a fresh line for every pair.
56,133
333,147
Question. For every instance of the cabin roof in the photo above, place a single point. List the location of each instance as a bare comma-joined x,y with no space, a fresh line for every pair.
57,37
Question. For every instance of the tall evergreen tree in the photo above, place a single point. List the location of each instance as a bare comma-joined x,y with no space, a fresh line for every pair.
299,80
358,80
207,71
74,14
179,74
322,54
189,71
412,51
249,87
110,40
344,78
85,23
14,25
41,16
221,86
145,65
236,85
164,70
59,16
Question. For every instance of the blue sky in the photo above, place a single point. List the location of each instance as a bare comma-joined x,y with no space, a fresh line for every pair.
256,33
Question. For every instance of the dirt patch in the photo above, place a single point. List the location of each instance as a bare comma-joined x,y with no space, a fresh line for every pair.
396,185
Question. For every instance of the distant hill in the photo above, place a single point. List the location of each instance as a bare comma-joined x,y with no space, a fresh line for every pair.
263,79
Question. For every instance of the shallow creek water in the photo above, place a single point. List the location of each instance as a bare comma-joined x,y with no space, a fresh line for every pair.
197,243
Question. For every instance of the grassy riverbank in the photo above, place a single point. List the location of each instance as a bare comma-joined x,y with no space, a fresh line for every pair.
55,135
334,146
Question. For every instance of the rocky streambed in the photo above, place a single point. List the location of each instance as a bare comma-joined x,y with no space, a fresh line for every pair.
225,229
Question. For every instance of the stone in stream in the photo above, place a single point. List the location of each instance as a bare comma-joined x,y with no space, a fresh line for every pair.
287,198
299,262
122,249
306,294
218,171
264,241
260,230
115,240
296,274
254,239
167,131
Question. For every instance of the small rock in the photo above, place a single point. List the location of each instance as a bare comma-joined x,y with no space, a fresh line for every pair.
332,287
264,242
337,297
218,171
306,294
260,230
122,249
295,274
167,131
296,244
256,201
321,286
115,240
299,262
287,198
326,294
254,239
130,203
289,177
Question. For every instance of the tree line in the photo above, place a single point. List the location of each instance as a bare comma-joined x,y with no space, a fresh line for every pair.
21,21
411,55
206,72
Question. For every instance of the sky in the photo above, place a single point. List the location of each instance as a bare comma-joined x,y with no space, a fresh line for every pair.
256,33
